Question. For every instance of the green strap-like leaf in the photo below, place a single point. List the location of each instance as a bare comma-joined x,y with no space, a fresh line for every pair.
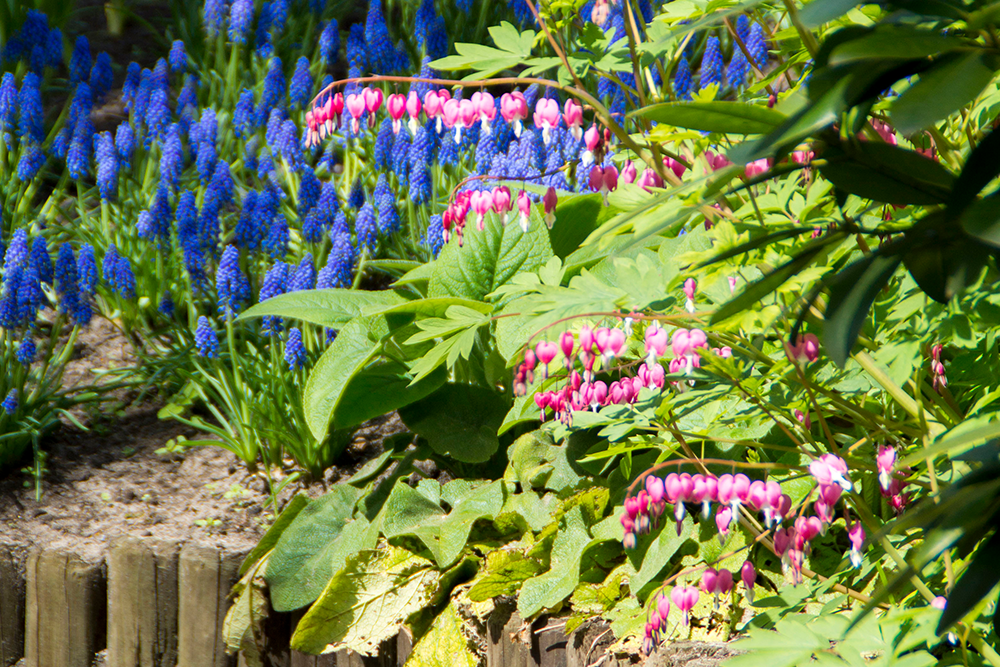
941,91
981,167
896,42
851,295
763,286
717,116
976,583
882,172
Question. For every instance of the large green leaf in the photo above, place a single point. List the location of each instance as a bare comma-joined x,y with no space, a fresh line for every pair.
982,221
851,295
981,167
977,582
353,348
445,644
818,12
381,388
549,589
894,42
367,602
266,543
300,566
503,573
408,512
882,172
489,258
459,420
332,308
941,91
577,216
717,116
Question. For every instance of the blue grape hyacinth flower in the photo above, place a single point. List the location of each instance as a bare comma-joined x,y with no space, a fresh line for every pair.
205,339
711,64
9,404
295,351
232,286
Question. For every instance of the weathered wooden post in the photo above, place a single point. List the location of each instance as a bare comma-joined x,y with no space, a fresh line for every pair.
66,606
11,607
142,603
205,575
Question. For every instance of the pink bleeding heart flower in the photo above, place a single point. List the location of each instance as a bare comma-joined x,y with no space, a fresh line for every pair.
486,109
885,462
566,343
757,495
782,540
514,109
663,608
586,340
748,574
502,202
482,203
373,102
592,140
524,206
732,284
684,598
724,582
716,161
656,342
725,487
856,533
674,166
657,376
757,167
940,602
433,105
680,342
805,350
655,488
546,351
547,117
467,115
709,580
355,107
741,490
413,108
549,201
803,418
450,113
616,342
573,117
600,394
629,173
690,289
649,180
396,106
723,519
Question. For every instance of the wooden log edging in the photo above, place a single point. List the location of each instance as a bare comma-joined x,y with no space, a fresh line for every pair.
11,606
142,603
162,604
65,609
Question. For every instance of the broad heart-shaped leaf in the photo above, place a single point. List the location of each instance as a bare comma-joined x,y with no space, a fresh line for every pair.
852,292
661,550
502,574
547,590
941,91
299,566
489,258
288,514
353,348
408,512
459,420
977,582
367,602
332,308
717,116
379,389
876,170
445,644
